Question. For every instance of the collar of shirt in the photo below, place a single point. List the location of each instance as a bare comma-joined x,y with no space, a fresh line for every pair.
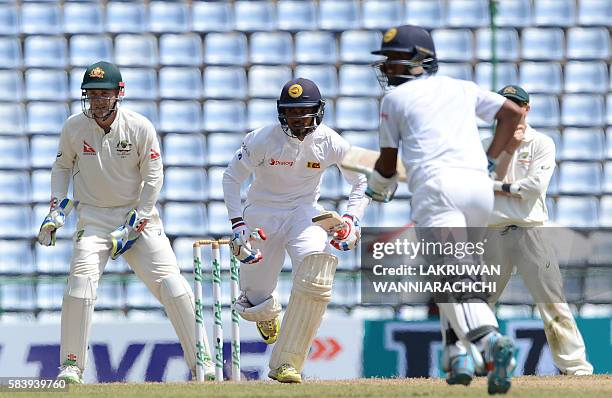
113,126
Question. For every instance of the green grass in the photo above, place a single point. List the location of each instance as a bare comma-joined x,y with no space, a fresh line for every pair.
529,386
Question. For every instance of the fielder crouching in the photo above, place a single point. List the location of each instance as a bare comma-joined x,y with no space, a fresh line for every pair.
287,160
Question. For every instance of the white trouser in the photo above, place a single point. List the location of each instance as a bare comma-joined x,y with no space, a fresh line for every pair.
528,250
290,231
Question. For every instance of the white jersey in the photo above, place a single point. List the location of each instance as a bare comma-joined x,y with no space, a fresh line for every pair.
434,117
531,167
122,168
288,172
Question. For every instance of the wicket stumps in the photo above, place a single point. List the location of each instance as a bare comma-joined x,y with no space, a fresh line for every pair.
218,325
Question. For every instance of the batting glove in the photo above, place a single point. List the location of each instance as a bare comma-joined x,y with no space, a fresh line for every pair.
347,238
54,220
241,243
381,189
491,166
124,237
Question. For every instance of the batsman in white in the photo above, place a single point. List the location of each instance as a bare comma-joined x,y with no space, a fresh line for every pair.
516,236
433,118
112,155
287,160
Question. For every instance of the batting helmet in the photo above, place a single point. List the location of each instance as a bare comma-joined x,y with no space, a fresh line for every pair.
101,76
302,94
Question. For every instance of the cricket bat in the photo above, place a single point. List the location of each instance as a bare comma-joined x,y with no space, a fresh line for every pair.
362,160
330,221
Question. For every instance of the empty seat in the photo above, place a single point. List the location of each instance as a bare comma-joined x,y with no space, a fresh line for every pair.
140,83
182,183
9,20
338,14
219,79
41,18
18,297
41,185
126,17
11,85
225,116
76,78
595,12
180,49
541,77
606,185
261,112
583,110
138,295
506,73
10,52
43,149
13,118
609,139
296,15
381,14
17,155
588,43
453,45
225,48
580,178
271,48
185,219
325,76
15,187
16,257
221,147
315,47
356,46
180,82
44,84
357,113
267,81
147,109
136,50
554,12
554,135
330,184
83,18
605,211
183,249
87,49
467,13
218,219
507,44
358,80
46,117
54,259
513,13
426,13
212,16
215,184
456,70
109,295
180,116
544,110
583,144
577,212
363,139
18,217
601,244
167,16
329,117
609,109
255,15
546,44
45,51
397,215
553,185
184,150
586,77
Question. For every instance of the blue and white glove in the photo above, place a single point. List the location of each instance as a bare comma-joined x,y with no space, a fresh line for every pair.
55,219
124,237
347,238
241,243
381,189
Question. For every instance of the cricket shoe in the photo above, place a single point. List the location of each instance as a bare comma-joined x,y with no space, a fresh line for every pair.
285,374
499,357
71,374
209,372
461,370
268,330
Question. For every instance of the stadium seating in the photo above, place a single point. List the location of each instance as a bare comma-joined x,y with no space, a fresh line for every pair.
296,15
180,49
180,82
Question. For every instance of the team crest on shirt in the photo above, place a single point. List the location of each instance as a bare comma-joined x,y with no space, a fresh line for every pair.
523,157
123,148
313,165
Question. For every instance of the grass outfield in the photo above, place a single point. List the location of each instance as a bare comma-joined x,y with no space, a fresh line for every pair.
527,386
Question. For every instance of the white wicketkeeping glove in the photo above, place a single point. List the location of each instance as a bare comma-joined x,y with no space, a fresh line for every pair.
127,234
381,189
241,243
347,238
55,219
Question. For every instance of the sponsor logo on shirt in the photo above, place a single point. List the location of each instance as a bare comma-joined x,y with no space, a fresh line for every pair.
88,149
124,147
313,165
59,155
154,154
275,162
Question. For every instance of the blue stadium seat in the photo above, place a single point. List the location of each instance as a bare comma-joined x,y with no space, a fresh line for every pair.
16,257
18,296
586,77
544,110
577,212
606,185
15,187
41,185
507,44
212,16
396,215
45,51
506,73
554,135
109,294
225,116
146,108
225,82
261,112
359,80
541,77
180,116
588,43
296,15
271,48
83,18
267,81
605,211
140,83
9,20
356,46
11,85
39,213
76,77
583,110
45,84
222,146
185,219
339,15
325,76
467,13
181,183
547,44
601,244
225,48
180,49
10,52
609,141
363,139
255,15
43,149
583,144
183,249
595,12
18,217
346,291
218,219
184,150
54,259
381,14
136,50
426,13
609,109
215,183
553,185
456,70
17,155
330,184
46,117
454,44
41,18
87,49
357,113
138,295
513,13
554,13
166,16
315,47
180,82
580,178
126,17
